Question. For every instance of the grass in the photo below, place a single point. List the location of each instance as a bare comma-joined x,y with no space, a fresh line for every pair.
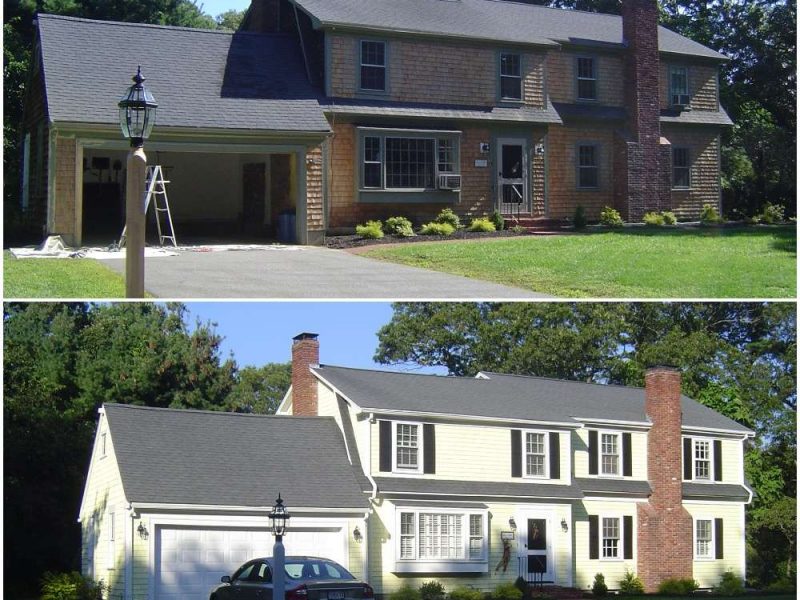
59,278
746,262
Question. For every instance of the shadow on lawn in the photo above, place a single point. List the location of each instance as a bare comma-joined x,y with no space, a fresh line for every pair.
784,237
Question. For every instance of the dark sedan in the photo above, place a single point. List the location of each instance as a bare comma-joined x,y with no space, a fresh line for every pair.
307,578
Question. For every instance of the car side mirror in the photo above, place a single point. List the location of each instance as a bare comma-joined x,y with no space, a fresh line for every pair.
225,579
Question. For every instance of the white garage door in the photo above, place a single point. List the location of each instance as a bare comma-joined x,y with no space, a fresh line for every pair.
190,560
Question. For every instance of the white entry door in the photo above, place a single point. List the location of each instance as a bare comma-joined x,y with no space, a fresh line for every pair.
538,551
189,561
512,176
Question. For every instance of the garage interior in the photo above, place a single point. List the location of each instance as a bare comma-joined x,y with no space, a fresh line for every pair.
213,197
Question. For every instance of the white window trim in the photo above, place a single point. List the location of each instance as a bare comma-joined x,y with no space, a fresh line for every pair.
620,453
711,457
420,449
712,544
110,525
103,446
524,437
444,565
620,547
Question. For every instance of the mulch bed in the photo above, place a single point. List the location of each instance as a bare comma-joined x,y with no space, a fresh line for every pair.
343,242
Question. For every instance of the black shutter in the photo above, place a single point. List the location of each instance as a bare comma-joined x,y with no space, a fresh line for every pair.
627,459
385,444
718,541
516,453
627,532
717,460
592,453
429,443
687,458
555,456
594,542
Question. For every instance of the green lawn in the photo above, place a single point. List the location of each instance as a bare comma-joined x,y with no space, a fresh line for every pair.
59,278
752,262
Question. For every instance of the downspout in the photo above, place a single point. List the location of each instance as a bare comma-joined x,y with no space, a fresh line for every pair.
368,469
129,538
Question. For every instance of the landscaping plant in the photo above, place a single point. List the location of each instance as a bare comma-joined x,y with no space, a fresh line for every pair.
405,593
372,230
463,592
631,585
434,228
653,218
449,217
482,224
71,586
677,586
398,226
498,220
709,215
579,218
610,217
669,217
772,213
432,590
599,587
507,591
730,585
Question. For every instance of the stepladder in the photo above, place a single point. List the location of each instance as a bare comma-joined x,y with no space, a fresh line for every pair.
156,194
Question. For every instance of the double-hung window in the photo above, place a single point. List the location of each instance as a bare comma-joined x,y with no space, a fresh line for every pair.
373,66
588,166
610,537
510,76
535,454
702,459
408,442
679,86
431,538
703,539
587,78
409,161
609,454
681,178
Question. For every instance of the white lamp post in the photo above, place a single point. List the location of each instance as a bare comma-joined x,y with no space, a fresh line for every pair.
278,520
137,115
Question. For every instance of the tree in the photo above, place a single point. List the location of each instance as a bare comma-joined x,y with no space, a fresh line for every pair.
260,389
737,358
230,20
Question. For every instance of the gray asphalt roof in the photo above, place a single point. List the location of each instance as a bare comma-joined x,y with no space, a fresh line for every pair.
395,486
507,397
727,491
200,78
590,111
490,20
696,117
626,487
229,459
434,111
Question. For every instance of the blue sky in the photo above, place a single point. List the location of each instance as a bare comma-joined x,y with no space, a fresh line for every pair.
216,7
261,332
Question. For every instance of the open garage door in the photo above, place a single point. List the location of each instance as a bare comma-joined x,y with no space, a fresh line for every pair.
189,561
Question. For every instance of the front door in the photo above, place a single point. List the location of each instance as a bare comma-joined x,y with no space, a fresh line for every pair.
539,552
512,177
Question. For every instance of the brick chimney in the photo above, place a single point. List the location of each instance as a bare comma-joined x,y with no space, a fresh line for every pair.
644,157
665,527
305,354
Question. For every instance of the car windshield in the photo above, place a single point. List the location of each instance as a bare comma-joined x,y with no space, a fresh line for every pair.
314,568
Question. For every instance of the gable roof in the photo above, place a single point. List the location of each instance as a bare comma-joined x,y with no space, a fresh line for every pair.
507,397
229,459
490,20
200,78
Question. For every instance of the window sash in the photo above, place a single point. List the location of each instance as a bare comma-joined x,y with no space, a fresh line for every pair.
373,66
609,454
407,446
535,454
588,169
703,538
610,537
678,82
587,79
408,535
702,459
373,163
510,76
440,536
681,171
475,536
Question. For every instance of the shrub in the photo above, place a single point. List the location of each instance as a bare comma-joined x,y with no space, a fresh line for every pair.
772,213
482,224
498,220
507,591
372,230
709,215
579,218
71,586
431,590
437,229
599,588
521,584
631,584
653,218
677,586
449,217
398,226
730,585
517,229
462,592
405,593
669,217
610,217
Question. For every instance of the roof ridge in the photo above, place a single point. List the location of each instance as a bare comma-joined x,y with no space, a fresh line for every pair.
463,377
619,385
558,8
211,412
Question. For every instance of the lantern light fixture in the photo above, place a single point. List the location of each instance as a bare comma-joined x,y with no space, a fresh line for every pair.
279,518
137,111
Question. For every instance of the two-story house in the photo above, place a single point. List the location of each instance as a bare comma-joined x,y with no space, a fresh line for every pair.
405,478
339,111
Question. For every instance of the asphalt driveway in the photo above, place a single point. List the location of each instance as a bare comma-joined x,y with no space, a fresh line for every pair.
304,272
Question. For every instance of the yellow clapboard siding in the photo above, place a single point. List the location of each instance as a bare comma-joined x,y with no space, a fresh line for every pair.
708,572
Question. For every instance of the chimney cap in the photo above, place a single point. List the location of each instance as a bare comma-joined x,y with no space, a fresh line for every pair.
663,367
305,336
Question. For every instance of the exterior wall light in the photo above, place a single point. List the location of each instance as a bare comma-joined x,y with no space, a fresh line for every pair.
512,523
357,535
142,531
564,525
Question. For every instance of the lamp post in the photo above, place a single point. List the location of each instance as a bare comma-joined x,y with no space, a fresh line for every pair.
278,519
137,115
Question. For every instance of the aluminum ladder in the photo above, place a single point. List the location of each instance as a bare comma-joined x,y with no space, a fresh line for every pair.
156,190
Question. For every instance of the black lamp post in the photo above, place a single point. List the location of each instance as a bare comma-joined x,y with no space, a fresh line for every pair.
137,115
278,518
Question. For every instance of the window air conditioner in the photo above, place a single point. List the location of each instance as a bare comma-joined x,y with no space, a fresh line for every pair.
449,181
